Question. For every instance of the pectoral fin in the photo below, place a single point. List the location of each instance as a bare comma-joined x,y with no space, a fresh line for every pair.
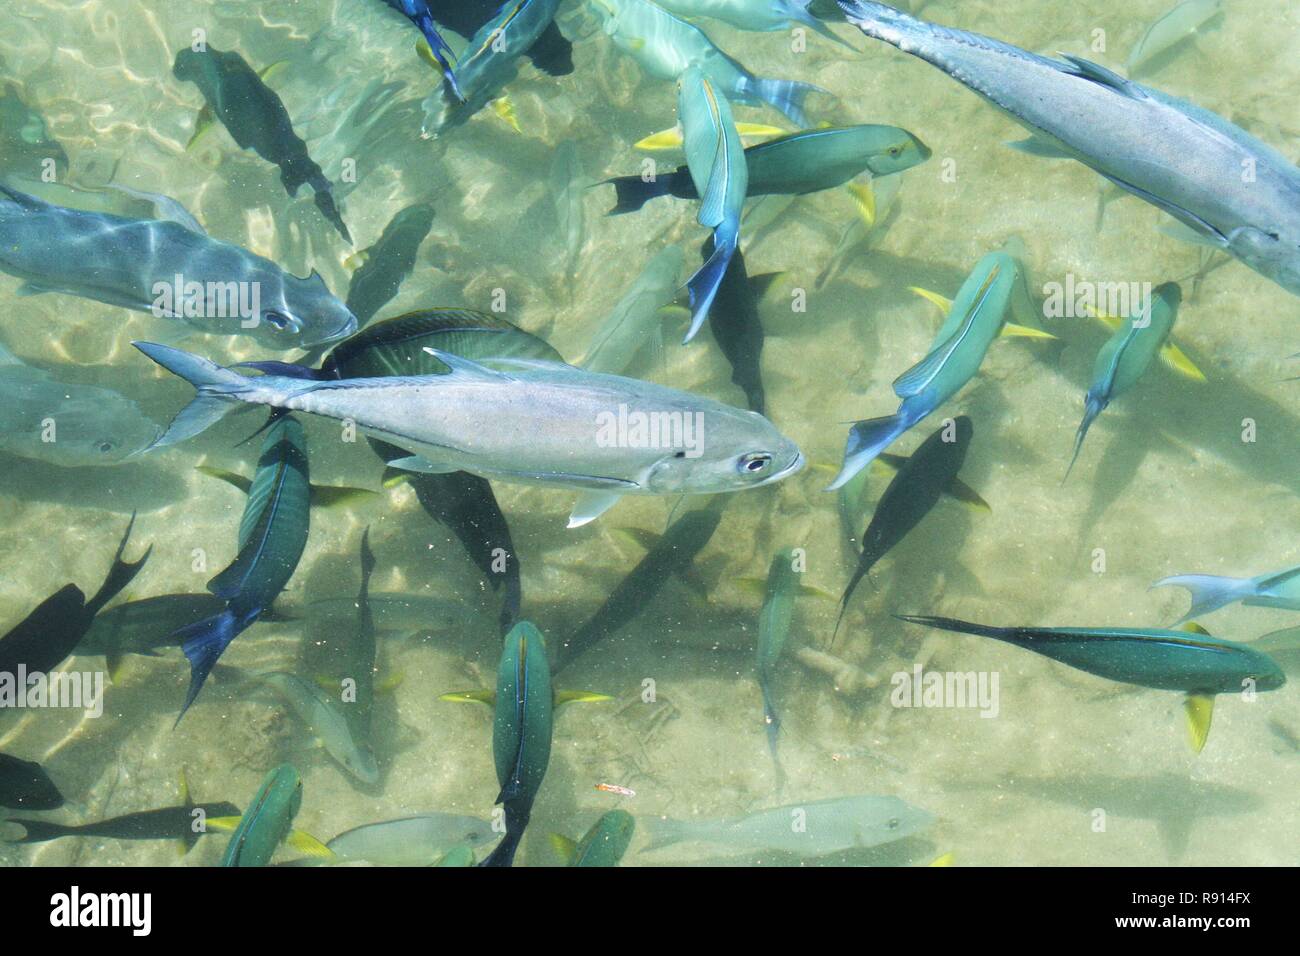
1200,711
229,477
1041,148
941,302
1174,357
421,464
864,197
565,848
332,496
1012,331
591,505
308,845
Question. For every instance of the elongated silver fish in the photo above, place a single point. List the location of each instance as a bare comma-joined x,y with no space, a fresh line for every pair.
165,269
811,829
323,718
1231,190
524,421
411,841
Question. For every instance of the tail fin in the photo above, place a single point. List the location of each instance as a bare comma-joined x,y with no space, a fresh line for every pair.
633,192
858,575
1090,414
959,627
867,439
788,96
516,823
119,575
663,831
1209,592
36,831
216,387
704,285
204,644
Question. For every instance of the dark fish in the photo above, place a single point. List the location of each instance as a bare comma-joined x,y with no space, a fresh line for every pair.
388,262
26,786
417,11
256,118
166,823
914,490
671,554
52,631
272,536
551,52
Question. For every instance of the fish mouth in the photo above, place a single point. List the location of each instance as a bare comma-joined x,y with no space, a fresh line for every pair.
342,332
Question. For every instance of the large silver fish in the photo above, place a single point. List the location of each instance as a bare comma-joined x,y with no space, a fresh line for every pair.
1234,192
67,424
167,270
524,421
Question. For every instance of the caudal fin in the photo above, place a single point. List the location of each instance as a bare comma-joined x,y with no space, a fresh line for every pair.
1090,414
217,387
704,285
788,96
633,192
867,439
1209,592
204,643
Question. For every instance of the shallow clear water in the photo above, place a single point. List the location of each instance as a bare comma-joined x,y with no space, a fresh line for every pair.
1165,484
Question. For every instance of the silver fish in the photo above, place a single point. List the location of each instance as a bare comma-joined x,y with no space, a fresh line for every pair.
523,421
812,829
1232,191
65,424
411,841
323,719
136,264
638,317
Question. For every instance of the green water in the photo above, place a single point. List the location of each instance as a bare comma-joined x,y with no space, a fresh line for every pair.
1165,484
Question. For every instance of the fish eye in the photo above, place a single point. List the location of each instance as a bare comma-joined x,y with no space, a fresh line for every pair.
680,454
104,447
895,150
279,320
755,464
892,824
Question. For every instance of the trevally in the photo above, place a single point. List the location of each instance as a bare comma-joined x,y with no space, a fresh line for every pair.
67,424
135,264
1184,160
1279,589
812,829
530,422
411,841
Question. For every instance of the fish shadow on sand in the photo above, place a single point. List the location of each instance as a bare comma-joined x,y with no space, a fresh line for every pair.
1175,804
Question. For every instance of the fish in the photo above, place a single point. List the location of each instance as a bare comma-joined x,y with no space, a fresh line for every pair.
164,823
854,501
774,620
1180,158
795,164
1126,356
1173,27
488,63
268,820
717,165
418,12
868,228
524,703
977,317
325,720
603,845
758,15
411,841
46,636
637,320
521,733
388,262
27,150
1191,661
671,554
665,46
272,536
526,421
911,495
739,331
813,829
550,52
133,263
66,424
256,119
1279,589
24,785
321,496
395,614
